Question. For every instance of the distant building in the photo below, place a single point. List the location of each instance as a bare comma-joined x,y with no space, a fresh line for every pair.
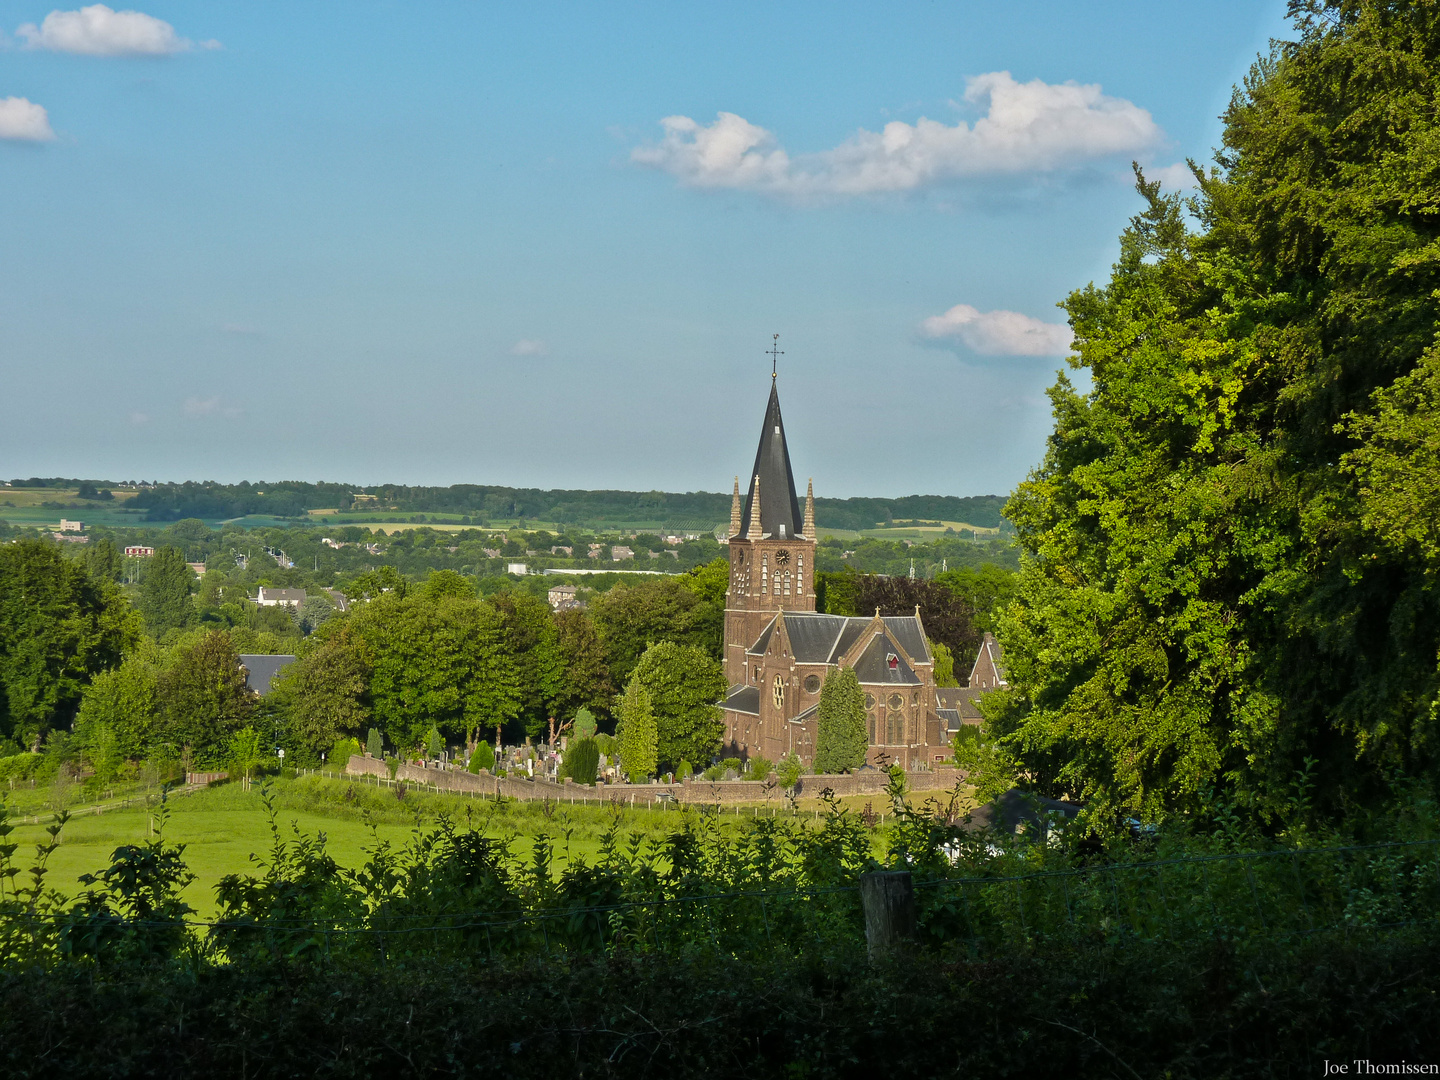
491,553
620,553
561,595
518,568
71,538
66,525
138,551
260,670
198,568
339,599
280,597
595,550
988,673
330,542
958,706
562,549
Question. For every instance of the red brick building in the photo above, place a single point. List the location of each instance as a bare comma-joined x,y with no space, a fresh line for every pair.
778,648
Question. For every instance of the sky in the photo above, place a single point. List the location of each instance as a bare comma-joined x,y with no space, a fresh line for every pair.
549,244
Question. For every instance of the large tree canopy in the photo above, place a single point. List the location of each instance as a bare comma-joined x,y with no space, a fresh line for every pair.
1230,544
58,627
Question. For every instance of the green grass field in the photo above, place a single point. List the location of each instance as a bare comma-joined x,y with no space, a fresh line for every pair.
222,827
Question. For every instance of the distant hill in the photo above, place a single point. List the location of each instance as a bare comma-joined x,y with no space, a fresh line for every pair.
171,502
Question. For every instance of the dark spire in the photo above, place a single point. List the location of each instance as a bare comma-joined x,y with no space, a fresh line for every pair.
779,509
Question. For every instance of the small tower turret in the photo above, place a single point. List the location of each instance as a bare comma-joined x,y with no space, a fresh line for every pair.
755,533
810,510
735,510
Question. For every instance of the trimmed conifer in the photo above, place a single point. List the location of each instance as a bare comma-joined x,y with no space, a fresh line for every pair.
841,741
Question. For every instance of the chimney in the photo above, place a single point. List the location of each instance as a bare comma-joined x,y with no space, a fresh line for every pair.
735,510
755,533
810,510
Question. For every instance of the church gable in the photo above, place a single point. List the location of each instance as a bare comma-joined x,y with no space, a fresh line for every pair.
882,663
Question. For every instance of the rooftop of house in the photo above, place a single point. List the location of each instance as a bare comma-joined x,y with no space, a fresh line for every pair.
260,670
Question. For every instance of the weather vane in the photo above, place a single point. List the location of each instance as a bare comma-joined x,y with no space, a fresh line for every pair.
774,351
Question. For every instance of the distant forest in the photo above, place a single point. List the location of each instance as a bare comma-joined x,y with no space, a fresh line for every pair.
171,502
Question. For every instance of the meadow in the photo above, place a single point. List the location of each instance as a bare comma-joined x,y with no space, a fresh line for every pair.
225,830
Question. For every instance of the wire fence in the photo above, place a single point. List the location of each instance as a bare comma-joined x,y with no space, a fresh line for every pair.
1242,898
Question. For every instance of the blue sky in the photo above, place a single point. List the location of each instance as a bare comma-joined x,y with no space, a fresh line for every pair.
462,243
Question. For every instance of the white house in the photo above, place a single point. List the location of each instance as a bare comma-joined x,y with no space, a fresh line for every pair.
280,597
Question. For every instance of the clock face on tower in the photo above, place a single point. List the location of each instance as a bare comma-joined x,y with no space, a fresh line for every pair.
782,558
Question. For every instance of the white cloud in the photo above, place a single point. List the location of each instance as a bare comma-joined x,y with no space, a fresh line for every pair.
528,347
997,333
98,30
211,406
1027,127
21,118
1177,177
201,406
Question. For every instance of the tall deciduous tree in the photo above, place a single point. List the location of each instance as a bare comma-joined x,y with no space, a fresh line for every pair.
631,618
584,676
165,592
204,700
446,662
533,640
1225,581
684,684
58,627
124,701
325,694
841,740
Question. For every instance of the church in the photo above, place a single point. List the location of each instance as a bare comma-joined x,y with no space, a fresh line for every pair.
778,648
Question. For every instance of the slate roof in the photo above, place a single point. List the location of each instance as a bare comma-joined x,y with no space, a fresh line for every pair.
818,638
874,667
950,717
906,629
812,636
744,699
778,504
763,641
962,700
259,670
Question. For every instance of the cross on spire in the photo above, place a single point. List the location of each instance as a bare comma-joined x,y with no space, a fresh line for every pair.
774,351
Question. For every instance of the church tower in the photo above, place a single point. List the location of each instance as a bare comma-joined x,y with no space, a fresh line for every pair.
772,545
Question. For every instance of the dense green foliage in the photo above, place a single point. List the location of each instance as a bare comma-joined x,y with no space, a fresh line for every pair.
683,684
582,761
636,734
1227,582
841,739
165,593
1190,954
58,627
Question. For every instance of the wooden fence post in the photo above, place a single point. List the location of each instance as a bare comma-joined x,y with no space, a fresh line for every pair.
888,897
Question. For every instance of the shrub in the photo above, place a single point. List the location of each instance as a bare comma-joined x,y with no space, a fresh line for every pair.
789,770
342,751
19,767
584,727
582,761
374,745
482,759
759,767
685,769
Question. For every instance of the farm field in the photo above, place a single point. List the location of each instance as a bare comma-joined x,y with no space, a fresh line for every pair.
222,827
